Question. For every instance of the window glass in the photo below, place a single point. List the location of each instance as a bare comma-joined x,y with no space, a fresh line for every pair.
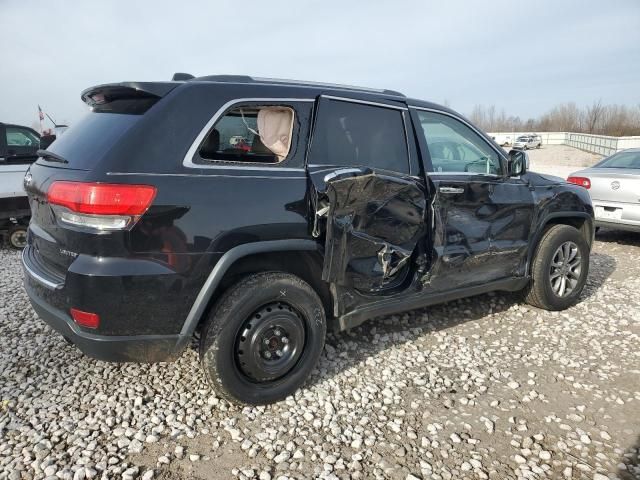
354,134
454,147
21,137
251,134
90,138
621,160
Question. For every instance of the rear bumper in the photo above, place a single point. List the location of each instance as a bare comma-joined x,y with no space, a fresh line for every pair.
51,298
629,215
134,348
618,226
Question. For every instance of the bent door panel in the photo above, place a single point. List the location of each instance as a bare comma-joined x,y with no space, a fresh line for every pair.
366,204
462,225
374,223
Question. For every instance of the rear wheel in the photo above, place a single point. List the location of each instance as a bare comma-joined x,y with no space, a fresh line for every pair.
18,236
263,338
559,269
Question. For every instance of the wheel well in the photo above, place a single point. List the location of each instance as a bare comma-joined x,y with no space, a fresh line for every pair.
304,264
580,223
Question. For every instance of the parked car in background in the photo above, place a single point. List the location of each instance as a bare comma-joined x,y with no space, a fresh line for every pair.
526,142
150,227
18,150
614,186
503,139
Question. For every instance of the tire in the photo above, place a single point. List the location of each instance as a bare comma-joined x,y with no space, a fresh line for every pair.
548,294
17,236
253,319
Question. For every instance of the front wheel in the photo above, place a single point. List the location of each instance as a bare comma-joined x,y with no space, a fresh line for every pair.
263,338
559,269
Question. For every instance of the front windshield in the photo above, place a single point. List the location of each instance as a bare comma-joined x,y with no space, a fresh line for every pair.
523,139
621,160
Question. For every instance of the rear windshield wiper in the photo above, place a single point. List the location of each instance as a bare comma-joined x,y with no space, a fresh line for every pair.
52,157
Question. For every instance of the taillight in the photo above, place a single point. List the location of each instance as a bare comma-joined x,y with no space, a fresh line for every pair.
85,319
582,181
100,206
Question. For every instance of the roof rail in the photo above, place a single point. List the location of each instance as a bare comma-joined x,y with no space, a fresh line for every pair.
250,79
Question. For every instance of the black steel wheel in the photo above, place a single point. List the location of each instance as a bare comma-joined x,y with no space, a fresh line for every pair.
270,342
263,338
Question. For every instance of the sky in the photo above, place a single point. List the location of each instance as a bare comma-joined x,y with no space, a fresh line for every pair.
521,56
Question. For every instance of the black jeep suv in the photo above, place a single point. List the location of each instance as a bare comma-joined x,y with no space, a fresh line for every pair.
252,214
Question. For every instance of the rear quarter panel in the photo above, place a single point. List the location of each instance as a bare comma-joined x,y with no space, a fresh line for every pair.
197,215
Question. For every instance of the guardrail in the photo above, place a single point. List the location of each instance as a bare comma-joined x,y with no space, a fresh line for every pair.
600,144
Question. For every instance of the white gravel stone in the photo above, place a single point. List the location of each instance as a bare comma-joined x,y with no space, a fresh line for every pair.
477,387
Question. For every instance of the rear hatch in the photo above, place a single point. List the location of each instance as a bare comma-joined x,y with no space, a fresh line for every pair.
77,156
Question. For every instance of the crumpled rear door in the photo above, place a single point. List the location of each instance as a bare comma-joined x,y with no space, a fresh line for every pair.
373,224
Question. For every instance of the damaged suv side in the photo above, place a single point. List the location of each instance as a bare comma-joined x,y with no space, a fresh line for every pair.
254,213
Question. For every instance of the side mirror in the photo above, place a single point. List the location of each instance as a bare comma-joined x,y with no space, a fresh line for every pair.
518,162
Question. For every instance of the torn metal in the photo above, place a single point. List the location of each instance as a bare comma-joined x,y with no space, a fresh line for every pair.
373,224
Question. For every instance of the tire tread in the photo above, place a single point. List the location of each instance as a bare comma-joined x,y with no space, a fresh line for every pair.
210,341
535,293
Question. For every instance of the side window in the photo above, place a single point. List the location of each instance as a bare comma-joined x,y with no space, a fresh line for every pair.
358,135
454,147
253,134
21,137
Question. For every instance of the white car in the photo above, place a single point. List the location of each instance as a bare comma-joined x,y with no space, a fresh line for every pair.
18,149
526,142
503,140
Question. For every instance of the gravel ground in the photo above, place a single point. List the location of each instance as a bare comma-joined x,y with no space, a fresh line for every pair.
480,388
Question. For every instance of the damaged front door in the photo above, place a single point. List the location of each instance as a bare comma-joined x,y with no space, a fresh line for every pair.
373,225
368,203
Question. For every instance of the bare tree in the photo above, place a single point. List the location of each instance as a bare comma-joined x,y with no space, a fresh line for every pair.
618,120
593,115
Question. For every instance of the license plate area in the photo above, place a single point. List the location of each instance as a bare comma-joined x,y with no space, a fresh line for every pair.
608,213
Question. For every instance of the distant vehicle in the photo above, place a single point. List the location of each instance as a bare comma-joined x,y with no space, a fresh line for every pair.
503,139
614,186
18,150
526,142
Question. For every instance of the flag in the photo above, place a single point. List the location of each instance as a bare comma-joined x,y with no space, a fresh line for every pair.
40,113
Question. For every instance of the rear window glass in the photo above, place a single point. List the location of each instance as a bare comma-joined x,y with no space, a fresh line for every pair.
354,134
87,140
621,160
253,134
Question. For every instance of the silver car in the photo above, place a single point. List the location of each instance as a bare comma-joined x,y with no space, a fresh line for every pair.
614,186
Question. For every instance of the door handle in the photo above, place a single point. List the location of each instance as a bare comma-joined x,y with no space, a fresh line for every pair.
451,190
